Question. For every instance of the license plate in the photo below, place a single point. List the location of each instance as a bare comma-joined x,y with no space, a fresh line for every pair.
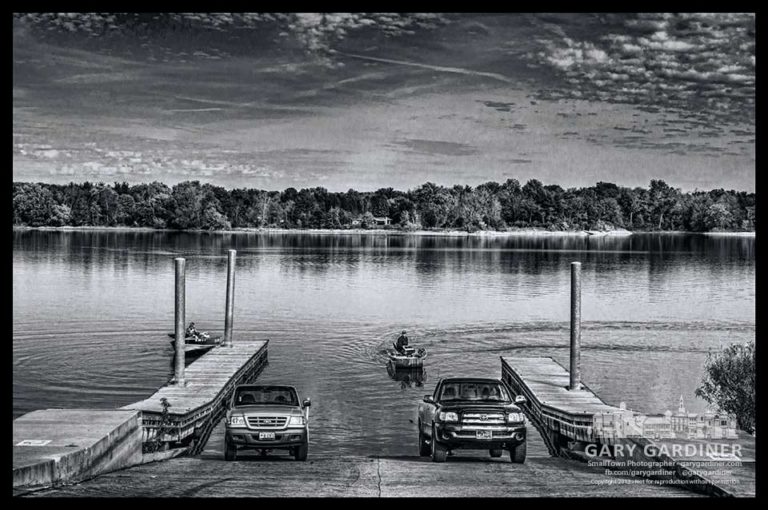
266,435
484,434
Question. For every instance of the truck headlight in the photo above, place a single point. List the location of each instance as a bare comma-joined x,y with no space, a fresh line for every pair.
515,417
237,421
297,420
448,417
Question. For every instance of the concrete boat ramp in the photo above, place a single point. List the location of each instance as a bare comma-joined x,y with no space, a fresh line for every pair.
467,474
55,445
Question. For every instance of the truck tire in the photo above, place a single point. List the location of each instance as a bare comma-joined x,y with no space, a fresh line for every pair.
300,452
424,448
517,454
230,451
439,451
496,452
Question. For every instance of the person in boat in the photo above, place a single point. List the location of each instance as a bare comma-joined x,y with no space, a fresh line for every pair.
193,332
402,343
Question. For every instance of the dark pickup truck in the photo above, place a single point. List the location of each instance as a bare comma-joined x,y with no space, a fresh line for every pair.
472,413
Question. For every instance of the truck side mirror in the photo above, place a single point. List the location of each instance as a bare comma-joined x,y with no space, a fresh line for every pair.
429,399
306,403
520,399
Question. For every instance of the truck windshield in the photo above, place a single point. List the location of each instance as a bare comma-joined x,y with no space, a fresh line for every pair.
481,392
266,395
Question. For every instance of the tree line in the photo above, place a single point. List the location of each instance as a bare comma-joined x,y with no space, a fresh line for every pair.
489,206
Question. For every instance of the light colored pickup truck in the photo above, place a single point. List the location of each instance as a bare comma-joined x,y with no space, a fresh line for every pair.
472,413
267,418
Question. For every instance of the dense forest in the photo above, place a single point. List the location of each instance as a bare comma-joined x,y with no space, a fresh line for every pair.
489,206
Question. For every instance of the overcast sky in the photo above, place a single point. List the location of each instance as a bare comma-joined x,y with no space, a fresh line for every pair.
367,101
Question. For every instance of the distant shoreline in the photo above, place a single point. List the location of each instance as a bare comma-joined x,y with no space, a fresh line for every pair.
358,231
731,234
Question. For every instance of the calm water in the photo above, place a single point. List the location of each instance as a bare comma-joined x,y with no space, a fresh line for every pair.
91,311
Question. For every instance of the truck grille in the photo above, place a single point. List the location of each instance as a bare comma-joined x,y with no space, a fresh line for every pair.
482,419
275,422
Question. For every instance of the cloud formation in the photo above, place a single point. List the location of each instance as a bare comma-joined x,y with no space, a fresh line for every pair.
699,62
362,100
315,32
442,147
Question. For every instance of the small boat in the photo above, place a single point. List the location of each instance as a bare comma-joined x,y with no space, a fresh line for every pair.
193,345
596,232
413,357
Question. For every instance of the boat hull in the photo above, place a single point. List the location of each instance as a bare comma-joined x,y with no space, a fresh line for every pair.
407,362
415,360
192,347
195,348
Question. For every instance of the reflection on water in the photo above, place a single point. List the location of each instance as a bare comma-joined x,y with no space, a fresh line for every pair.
91,313
407,377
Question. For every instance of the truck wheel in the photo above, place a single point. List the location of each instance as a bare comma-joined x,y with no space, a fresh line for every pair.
424,448
496,452
517,454
300,452
230,451
439,451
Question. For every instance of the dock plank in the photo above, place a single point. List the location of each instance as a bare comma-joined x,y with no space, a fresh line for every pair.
205,378
548,383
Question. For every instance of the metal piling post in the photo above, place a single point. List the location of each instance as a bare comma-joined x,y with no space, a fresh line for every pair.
229,311
575,379
180,323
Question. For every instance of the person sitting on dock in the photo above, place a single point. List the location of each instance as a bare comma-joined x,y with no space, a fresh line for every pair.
402,343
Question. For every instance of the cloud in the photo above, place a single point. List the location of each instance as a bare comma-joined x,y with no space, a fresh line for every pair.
686,61
171,163
192,110
445,69
577,53
498,105
437,147
48,153
316,32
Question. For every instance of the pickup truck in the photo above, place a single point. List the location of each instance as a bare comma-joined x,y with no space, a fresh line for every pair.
472,413
267,418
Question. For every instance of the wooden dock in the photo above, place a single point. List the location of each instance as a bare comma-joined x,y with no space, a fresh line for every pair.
566,421
558,413
56,446
195,408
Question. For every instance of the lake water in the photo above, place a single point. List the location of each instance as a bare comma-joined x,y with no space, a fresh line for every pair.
91,313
